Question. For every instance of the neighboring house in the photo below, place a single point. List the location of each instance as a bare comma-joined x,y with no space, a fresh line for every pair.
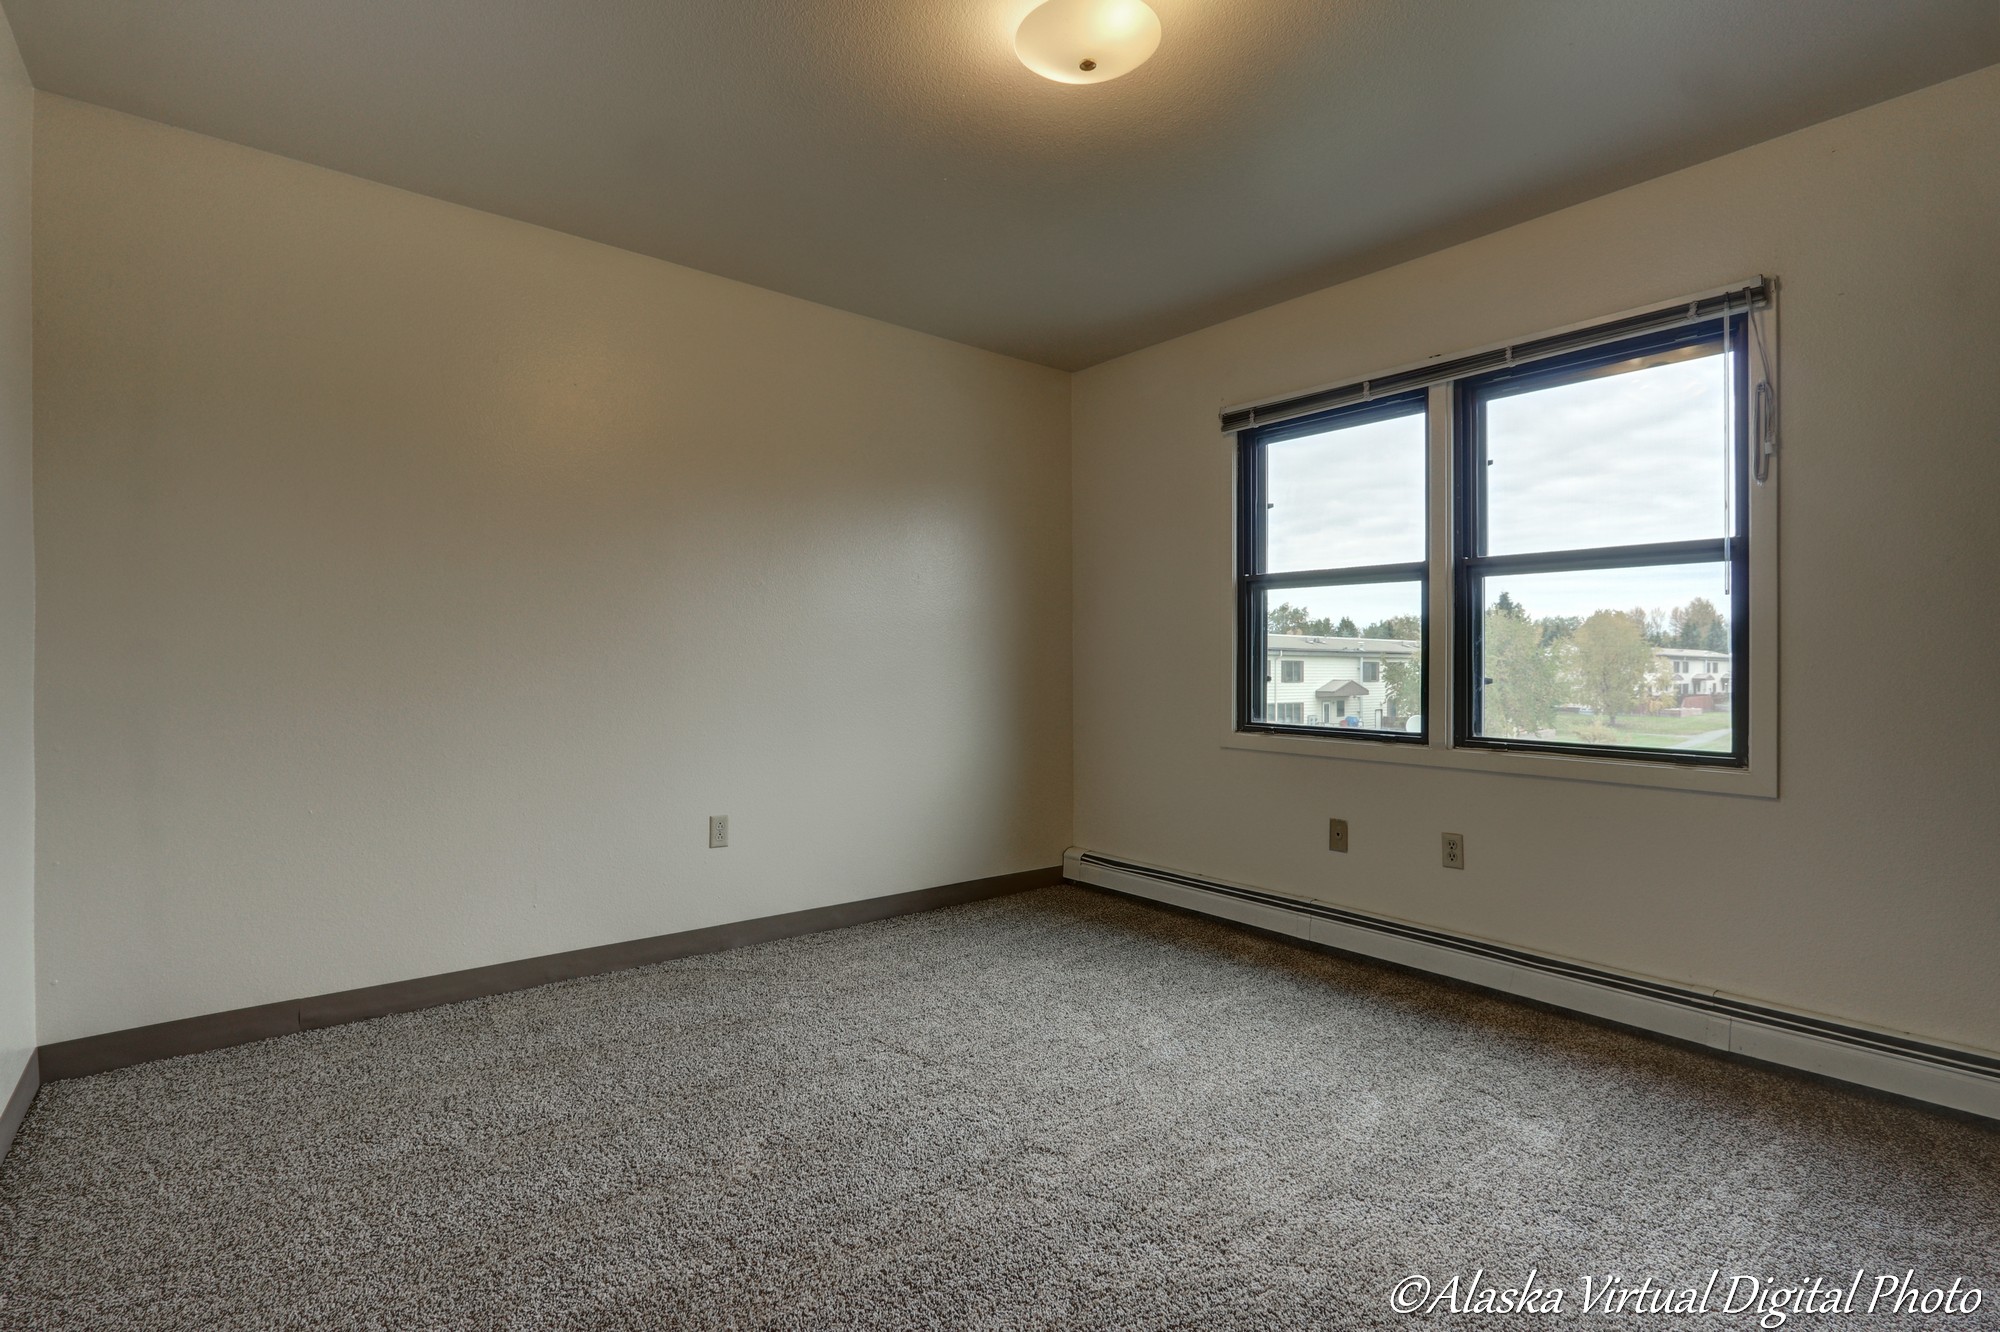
1696,672
1314,681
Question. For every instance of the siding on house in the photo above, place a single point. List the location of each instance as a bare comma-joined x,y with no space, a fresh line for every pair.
1327,664
1696,671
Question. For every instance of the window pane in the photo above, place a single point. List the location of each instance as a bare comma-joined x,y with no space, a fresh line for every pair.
1346,496
1635,658
1349,658
1617,459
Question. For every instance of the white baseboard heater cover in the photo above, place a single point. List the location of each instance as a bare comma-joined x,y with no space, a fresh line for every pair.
1962,1079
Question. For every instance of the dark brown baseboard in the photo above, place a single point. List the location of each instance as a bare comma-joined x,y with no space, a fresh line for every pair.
18,1102
214,1031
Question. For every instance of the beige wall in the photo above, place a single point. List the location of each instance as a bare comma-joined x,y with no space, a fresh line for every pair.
1868,889
415,582
17,576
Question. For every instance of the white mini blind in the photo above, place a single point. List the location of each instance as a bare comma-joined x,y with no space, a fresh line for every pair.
1694,309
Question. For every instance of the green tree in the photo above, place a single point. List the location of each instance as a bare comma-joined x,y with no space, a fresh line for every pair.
1345,629
1403,683
1556,628
1662,690
1285,618
1396,626
1609,660
1522,681
1700,625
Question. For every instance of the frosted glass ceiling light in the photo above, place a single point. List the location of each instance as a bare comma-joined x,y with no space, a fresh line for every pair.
1087,41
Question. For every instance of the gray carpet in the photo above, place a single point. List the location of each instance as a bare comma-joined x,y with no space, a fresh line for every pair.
1054,1110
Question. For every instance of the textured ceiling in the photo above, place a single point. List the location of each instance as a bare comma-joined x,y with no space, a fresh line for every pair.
891,157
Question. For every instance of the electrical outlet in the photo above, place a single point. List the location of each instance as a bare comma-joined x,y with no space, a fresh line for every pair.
1336,834
1454,850
718,830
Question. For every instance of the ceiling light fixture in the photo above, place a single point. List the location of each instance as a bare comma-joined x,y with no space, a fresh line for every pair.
1087,41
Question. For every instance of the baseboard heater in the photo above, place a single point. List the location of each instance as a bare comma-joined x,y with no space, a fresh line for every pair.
1961,1079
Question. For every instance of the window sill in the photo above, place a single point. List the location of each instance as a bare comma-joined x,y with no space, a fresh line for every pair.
1759,780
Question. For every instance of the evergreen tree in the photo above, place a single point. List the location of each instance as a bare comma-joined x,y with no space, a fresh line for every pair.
1556,628
1700,625
1396,626
1285,618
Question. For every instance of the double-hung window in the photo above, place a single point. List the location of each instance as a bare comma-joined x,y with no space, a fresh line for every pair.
1336,571
1560,529
1601,497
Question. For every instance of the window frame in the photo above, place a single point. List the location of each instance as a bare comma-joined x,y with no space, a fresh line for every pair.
1253,581
1729,333
1760,518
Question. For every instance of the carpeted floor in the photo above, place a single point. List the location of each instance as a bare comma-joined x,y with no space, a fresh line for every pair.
1054,1110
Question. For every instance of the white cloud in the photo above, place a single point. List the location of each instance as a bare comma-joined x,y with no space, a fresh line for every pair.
1613,461
1350,496
1616,460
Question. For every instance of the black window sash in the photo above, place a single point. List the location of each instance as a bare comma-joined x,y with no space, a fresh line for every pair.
1473,567
1252,631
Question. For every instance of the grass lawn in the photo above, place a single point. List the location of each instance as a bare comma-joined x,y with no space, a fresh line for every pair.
1655,732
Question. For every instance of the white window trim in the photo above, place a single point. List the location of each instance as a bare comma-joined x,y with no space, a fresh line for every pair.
1759,778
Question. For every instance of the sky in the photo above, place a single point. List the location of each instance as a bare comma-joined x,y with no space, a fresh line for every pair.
1616,460
1364,605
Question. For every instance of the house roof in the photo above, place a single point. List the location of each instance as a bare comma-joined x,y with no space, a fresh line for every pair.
1309,644
1701,653
1345,689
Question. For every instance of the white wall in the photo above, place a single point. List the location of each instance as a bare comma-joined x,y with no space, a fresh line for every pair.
415,582
1867,890
17,575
